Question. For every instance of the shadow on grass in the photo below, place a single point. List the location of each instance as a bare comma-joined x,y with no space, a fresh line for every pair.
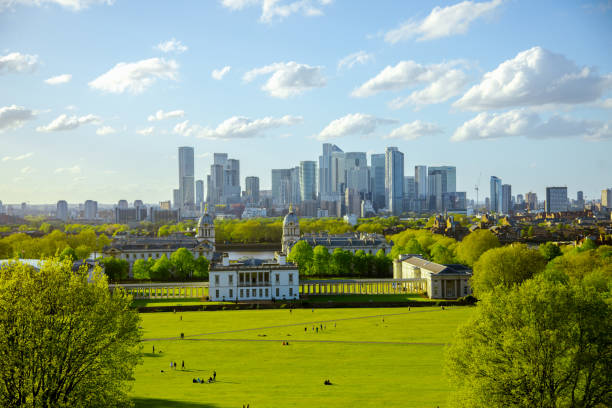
151,354
164,403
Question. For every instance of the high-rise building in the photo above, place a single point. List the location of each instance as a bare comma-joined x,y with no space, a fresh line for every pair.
440,180
325,171
409,187
199,193
394,180
186,177
496,195
122,204
377,175
352,201
61,212
606,198
506,198
556,199
224,180
356,172
532,201
91,209
307,179
176,198
165,205
252,189
286,186
138,203
420,181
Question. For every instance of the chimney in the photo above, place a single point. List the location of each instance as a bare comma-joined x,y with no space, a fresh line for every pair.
225,259
281,258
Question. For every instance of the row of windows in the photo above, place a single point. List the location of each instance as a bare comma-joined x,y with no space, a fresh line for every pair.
154,256
246,293
231,279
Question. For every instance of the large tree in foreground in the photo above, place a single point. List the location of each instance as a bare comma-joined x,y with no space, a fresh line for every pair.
64,341
542,344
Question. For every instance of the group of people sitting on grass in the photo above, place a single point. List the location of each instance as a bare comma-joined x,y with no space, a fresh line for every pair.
285,343
327,382
211,379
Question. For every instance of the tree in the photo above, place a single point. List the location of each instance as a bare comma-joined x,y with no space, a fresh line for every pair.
82,251
360,264
162,268
550,251
200,270
320,261
506,266
475,244
68,253
182,263
115,269
64,341
542,344
141,269
382,264
341,262
301,254
441,254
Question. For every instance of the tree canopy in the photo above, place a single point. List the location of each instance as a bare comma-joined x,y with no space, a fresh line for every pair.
475,244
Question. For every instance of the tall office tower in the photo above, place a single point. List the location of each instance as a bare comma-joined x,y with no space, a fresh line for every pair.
176,198
186,177
325,170
199,193
308,183
252,189
294,195
338,173
356,172
496,195
208,188
532,201
281,186
91,209
440,180
231,185
420,181
215,187
377,174
123,204
488,203
138,203
606,198
556,199
580,196
352,202
394,180
520,199
224,181
410,187
506,198
61,212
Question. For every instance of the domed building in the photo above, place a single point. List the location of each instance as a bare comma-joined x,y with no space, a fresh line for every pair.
206,229
291,231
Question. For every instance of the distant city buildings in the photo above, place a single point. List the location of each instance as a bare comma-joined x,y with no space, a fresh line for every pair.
606,198
186,199
252,190
556,199
199,194
61,212
441,180
308,180
223,181
506,199
394,180
496,195
90,209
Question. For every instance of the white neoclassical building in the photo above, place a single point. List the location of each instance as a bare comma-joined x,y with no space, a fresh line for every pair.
254,279
442,281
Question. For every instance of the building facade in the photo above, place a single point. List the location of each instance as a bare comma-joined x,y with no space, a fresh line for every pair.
377,176
606,198
61,211
252,190
394,180
308,180
556,199
186,177
496,194
506,199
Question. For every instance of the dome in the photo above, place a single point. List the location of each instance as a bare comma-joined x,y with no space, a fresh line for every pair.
205,219
290,218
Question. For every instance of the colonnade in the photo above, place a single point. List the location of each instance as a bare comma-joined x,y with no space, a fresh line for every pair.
362,287
164,291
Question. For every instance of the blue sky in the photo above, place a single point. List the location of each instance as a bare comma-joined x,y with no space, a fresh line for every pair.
517,89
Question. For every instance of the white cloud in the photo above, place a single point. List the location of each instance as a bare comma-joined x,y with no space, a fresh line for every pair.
135,77
236,127
414,130
535,77
70,170
27,170
146,131
17,62
161,115
60,79
360,57
279,9
443,81
288,78
17,158
74,5
105,130
520,122
172,45
353,124
65,122
13,117
218,74
442,22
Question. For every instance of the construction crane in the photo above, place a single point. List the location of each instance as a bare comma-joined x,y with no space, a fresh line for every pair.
477,188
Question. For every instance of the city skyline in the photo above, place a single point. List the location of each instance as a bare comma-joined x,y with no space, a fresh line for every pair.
89,117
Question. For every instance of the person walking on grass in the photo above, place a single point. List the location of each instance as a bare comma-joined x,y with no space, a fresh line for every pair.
182,364
214,375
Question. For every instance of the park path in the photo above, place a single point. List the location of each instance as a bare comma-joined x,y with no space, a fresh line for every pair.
409,343
192,336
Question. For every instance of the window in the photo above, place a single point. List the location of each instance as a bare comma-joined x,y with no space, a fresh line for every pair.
254,292
231,280
231,293
217,293
216,279
277,292
260,292
290,277
241,292
277,278
247,293
157,255
290,291
267,293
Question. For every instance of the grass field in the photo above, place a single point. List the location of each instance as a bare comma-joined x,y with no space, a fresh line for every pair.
379,357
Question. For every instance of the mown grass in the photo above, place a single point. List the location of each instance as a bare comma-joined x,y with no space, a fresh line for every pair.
376,357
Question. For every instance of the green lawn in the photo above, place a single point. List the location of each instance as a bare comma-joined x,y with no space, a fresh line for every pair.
395,362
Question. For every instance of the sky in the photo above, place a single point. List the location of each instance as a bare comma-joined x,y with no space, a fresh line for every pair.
97,95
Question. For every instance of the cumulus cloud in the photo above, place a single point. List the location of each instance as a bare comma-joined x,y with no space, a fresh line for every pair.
69,170
105,130
288,78
65,122
535,77
60,79
520,122
353,124
17,62
442,22
172,45
443,81
359,57
236,127
135,77
74,5
161,115
27,170
414,130
13,117
18,158
218,74
278,9
146,131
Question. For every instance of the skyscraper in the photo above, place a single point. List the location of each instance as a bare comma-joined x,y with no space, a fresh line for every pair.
606,198
91,209
199,193
283,186
62,210
496,195
377,174
420,181
394,180
440,180
325,170
252,189
176,198
224,180
307,177
356,172
186,177
506,198
556,199
532,201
